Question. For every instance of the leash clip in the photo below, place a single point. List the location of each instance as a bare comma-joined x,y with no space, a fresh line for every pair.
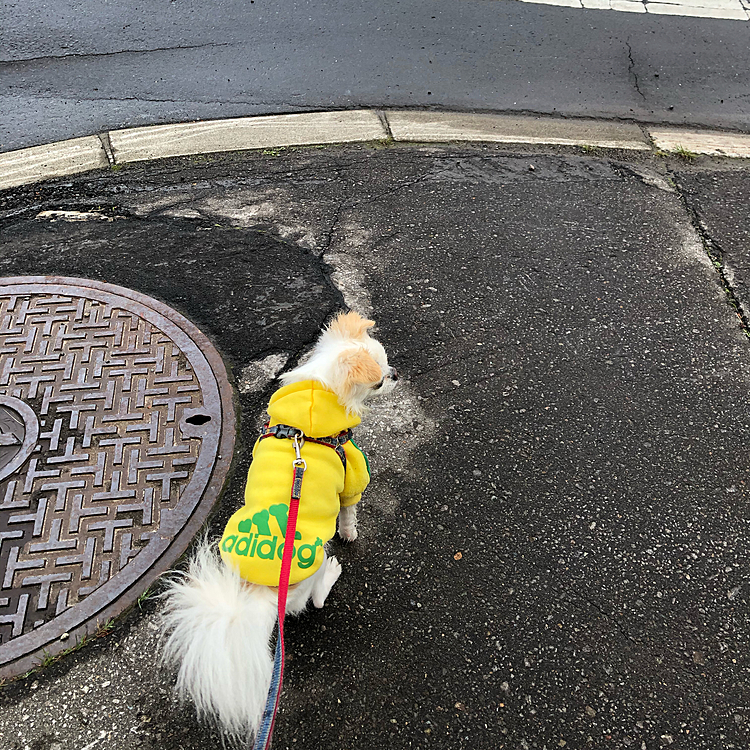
298,441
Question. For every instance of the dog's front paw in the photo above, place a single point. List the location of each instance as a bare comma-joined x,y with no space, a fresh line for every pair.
348,523
348,533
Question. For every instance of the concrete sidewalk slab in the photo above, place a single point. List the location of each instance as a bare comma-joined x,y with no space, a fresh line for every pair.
711,143
162,141
442,127
53,160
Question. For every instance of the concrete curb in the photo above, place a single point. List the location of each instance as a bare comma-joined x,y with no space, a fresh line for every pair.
53,160
70,157
244,133
439,127
705,142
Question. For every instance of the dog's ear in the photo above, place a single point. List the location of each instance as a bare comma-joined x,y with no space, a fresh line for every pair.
359,368
350,325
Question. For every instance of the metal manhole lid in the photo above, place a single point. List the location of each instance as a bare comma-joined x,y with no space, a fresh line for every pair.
116,434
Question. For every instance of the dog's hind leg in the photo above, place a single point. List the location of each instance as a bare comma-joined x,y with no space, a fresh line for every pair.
328,574
299,594
317,586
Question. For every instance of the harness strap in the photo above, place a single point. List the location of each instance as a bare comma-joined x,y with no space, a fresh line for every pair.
336,442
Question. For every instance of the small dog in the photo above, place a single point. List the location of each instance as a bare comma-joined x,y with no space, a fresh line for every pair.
220,614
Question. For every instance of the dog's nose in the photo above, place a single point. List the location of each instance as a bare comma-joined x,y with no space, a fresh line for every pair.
394,373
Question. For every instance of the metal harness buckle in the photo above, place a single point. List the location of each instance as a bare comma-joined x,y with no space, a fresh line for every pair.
298,441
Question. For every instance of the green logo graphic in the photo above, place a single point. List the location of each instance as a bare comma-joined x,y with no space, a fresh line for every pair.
261,520
252,545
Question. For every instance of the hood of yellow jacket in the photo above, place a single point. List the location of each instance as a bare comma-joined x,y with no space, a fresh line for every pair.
311,407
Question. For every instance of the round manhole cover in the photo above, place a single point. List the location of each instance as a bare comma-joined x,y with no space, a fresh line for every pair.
116,435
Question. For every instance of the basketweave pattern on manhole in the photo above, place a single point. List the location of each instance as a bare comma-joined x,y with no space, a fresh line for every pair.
110,431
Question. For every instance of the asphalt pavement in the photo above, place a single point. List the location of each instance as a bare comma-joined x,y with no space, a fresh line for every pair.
90,67
553,551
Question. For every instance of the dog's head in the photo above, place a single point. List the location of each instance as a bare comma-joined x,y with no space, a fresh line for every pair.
349,361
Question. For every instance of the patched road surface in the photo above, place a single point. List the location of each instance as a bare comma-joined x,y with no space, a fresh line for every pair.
553,551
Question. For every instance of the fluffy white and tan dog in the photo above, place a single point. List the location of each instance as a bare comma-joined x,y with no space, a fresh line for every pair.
220,614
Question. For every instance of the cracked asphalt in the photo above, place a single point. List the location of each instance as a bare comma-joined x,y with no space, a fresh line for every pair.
553,551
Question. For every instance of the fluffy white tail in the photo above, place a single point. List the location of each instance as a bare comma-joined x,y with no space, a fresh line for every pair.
217,630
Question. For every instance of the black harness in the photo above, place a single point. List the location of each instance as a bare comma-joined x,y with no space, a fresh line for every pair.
285,431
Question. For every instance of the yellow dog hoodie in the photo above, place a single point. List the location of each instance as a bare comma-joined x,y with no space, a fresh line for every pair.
253,540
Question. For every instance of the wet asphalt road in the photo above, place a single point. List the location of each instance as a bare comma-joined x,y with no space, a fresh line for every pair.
553,549
84,67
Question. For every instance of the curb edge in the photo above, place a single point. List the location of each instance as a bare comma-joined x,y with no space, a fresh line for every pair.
116,147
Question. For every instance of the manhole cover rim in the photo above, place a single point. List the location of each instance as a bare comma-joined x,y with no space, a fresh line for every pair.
128,590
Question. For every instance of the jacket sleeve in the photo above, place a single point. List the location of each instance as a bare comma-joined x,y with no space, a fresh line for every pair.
357,474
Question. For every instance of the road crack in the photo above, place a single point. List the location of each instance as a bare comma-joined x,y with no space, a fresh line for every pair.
715,253
631,70
98,55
